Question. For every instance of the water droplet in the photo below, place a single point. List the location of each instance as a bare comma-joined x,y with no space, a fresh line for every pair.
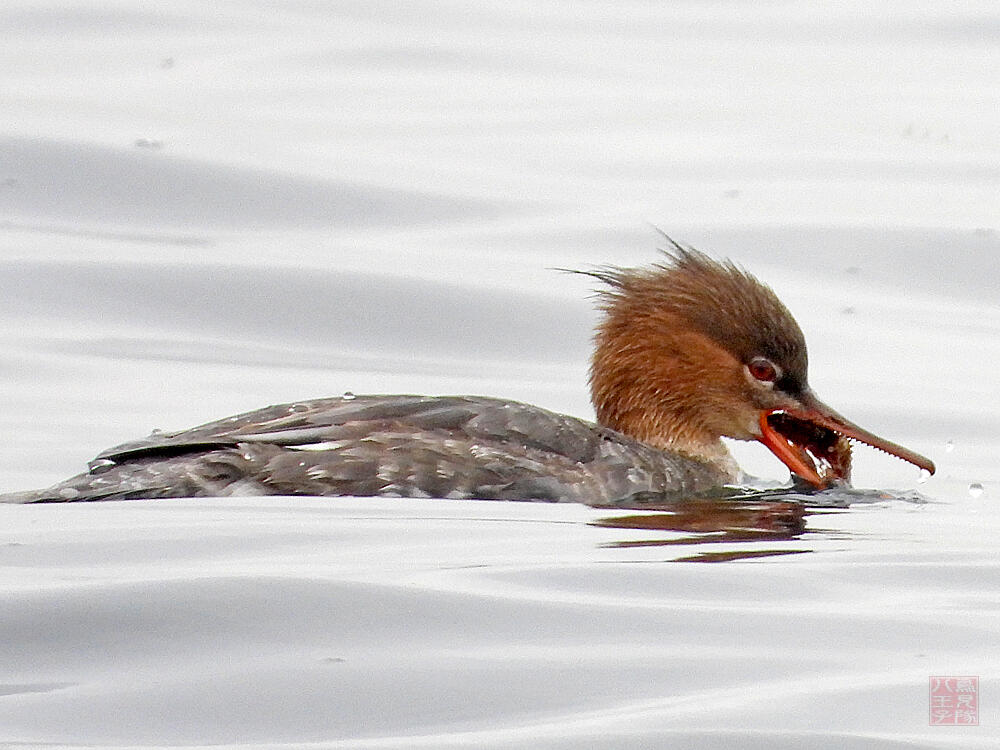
949,447
99,465
924,476
153,144
348,396
976,489
68,493
848,310
298,408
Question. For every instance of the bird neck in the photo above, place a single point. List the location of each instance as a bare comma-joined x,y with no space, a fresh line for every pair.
664,390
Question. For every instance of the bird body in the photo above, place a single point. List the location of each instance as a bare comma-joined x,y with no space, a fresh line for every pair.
688,351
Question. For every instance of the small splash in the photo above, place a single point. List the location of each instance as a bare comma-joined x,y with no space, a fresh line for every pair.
348,396
949,446
924,476
976,489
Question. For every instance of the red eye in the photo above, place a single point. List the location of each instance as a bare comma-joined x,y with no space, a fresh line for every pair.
763,370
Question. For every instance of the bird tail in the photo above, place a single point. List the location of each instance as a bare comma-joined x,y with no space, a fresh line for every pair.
27,496
118,485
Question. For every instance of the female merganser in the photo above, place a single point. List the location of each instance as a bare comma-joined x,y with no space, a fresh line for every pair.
689,350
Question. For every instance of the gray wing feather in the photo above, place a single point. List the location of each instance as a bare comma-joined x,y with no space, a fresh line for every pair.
448,446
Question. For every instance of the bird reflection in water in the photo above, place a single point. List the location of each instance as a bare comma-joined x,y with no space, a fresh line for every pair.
739,514
712,521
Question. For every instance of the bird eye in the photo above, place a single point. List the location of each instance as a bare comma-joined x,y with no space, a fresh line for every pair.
763,370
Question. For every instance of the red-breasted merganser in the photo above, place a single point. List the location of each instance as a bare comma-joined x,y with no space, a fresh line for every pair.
689,350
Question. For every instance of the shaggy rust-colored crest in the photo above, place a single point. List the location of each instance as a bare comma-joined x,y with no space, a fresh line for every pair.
718,299
669,355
